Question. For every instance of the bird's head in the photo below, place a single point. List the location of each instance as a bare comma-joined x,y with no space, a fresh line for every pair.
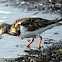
15,27
14,30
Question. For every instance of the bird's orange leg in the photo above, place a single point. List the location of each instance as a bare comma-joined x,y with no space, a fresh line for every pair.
39,43
30,42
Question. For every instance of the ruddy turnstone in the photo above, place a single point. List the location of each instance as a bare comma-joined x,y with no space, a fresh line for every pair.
30,27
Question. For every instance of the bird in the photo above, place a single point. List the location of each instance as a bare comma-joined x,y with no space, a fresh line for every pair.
29,27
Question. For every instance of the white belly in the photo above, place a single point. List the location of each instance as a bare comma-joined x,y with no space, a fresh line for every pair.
25,33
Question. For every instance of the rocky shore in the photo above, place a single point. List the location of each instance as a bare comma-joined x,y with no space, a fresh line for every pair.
32,5
50,54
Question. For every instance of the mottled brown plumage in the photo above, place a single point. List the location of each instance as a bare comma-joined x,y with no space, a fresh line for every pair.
33,24
4,28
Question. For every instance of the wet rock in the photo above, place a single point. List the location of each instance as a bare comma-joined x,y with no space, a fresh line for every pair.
23,60
16,45
46,42
56,33
33,51
28,40
49,40
32,60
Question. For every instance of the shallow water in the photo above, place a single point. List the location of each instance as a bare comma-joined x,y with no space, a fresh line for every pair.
12,46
